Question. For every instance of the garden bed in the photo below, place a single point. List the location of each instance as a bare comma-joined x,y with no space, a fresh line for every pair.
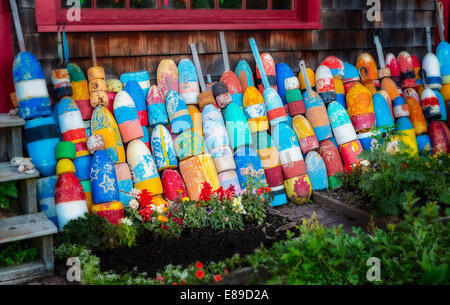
206,245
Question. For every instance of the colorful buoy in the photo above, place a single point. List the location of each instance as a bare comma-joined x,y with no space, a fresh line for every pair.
156,107
193,176
188,81
438,137
82,167
248,163
188,144
317,172
124,182
351,76
294,96
340,92
408,136
134,90
70,121
103,178
424,144
394,67
237,127
255,110
245,74
333,163
141,77
269,68
41,138
360,108
350,152
305,134
432,69
209,170
220,93
167,70
111,211
368,69
407,75
230,178
400,108
45,189
173,185
234,86
270,158
343,129
391,88
274,106
383,115
325,84
416,115
178,113
442,106
30,85
223,158
61,83
163,148
311,78
80,90
127,117
368,140
215,133
283,71
430,105
316,113
298,189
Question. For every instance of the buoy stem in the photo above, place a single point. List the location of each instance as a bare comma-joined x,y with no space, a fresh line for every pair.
223,45
429,47
305,75
17,25
440,19
259,63
376,40
94,56
198,67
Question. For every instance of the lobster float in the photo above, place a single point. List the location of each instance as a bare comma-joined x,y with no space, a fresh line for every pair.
103,179
113,86
177,111
383,115
408,78
439,137
97,85
351,76
415,111
156,107
294,96
228,77
248,163
368,71
80,90
141,77
408,135
188,81
310,76
167,76
333,163
394,67
163,148
173,185
317,172
45,189
305,134
127,117
237,127
360,108
283,71
255,110
431,67
384,73
325,84
135,92
245,74
268,65
61,83
274,105
124,182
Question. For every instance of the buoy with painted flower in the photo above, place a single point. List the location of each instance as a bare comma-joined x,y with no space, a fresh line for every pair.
248,164
141,77
317,172
30,85
291,158
188,81
104,124
305,134
134,90
143,168
333,163
255,110
163,148
127,117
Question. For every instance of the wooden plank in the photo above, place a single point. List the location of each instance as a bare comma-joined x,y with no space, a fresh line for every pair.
15,148
28,196
10,173
10,120
46,247
23,273
25,227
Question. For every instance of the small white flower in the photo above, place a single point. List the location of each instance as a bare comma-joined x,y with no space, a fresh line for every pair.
135,192
134,204
126,221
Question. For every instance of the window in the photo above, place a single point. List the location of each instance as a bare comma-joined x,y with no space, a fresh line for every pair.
157,15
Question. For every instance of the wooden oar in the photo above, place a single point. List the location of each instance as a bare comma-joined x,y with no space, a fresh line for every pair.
205,97
274,105
228,77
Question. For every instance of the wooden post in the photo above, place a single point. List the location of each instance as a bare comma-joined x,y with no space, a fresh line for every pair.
28,196
46,245
15,142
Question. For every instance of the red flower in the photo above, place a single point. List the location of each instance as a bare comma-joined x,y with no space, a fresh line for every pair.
205,194
200,274
183,281
199,265
218,278
174,283
230,191
160,278
146,213
145,198
220,192
226,271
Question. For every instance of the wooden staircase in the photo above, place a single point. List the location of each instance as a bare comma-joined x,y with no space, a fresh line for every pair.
32,224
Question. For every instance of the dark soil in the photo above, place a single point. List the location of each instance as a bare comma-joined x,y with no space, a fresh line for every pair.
204,245
350,197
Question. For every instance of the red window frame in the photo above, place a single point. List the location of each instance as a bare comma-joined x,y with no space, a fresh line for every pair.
304,15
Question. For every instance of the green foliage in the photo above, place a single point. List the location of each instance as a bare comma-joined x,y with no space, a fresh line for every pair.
416,251
8,191
126,234
16,253
389,177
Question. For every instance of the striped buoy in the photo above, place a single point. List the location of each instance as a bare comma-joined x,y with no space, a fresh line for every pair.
61,83
335,65
408,136
223,158
245,74
41,138
188,81
351,76
156,107
173,185
178,113
124,182
305,134
143,168
80,90
248,163
417,68
103,178
388,100
407,75
343,129
237,127
270,158
432,69
360,108
274,106
214,130
163,148
104,124
316,113
167,70
333,163
325,84
30,85
400,108
368,140
394,67
134,90
141,77
71,124
294,97
70,201
111,211
298,189
87,189
127,117
193,176
340,91
234,87
269,68
430,105
255,110
291,158
317,172
45,188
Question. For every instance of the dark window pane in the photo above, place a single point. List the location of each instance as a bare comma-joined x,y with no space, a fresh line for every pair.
236,4
142,3
281,4
111,3
83,3
173,3
203,4
256,4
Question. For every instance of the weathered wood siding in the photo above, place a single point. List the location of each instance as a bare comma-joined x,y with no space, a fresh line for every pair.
345,33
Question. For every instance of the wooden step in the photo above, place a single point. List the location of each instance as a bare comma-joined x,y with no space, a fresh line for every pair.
10,121
23,273
10,173
25,227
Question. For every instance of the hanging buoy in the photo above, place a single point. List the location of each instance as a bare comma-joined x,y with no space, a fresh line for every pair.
163,148
127,117
188,81
134,90
317,172
143,168
305,134
30,85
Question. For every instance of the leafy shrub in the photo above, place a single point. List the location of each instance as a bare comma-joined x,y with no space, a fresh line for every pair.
16,253
8,191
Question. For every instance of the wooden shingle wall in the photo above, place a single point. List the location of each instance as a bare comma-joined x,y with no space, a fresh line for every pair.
345,33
